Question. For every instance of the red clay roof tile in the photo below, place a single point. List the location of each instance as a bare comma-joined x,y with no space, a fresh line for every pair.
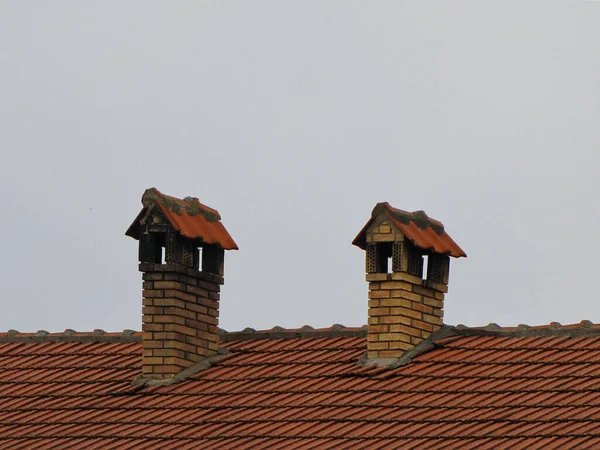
470,392
188,216
423,231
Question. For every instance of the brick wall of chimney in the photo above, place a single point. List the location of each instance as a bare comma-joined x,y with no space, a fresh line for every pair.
180,318
403,311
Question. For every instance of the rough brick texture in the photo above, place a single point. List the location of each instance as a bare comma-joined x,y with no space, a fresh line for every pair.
180,318
403,311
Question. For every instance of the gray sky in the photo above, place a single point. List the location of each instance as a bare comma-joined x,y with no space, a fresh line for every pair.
293,119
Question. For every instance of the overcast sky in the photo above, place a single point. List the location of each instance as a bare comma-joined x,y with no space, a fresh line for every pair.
293,119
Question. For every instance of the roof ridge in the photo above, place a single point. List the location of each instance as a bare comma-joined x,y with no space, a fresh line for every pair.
585,328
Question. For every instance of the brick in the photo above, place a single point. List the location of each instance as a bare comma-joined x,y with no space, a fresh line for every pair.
180,278
198,326
379,329
403,276
169,319
377,276
401,345
152,361
209,303
203,351
208,319
385,228
181,312
214,295
169,352
148,301
196,291
394,319
373,303
213,287
164,302
373,286
152,310
175,285
439,295
379,294
407,295
373,355
181,329
196,341
152,276
396,285
416,340
422,325
152,344
180,295
383,238
208,336
423,291
433,302
396,302
390,353
373,320
152,293
372,337
379,311
378,345
167,370
405,329
171,360
406,312
213,312
438,312
422,308
432,319
181,346
213,346
394,337
167,336
197,308
440,287
152,327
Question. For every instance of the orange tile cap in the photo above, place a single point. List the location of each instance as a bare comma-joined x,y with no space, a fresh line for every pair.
423,231
188,216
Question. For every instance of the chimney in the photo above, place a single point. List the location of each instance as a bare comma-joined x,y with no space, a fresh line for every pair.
181,254
404,307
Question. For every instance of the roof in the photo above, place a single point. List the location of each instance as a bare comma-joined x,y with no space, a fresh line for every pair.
423,231
188,216
491,388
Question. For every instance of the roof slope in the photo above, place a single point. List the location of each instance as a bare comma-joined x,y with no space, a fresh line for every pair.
189,217
422,230
471,392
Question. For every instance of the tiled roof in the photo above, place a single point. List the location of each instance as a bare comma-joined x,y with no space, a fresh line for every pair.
491,388
417,227
188,216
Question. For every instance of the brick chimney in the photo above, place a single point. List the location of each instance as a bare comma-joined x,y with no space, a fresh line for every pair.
404,308
180,295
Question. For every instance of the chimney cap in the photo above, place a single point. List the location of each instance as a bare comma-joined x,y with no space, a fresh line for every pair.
423,231
189,217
